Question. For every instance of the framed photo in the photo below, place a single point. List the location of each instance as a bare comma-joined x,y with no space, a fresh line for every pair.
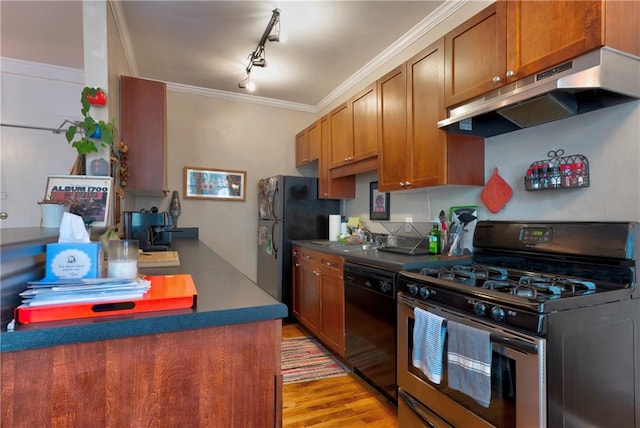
378,203
215,184
89,196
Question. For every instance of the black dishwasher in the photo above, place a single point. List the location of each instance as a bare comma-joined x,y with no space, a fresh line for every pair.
370,325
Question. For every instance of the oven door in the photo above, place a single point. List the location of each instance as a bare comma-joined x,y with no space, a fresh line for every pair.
518,388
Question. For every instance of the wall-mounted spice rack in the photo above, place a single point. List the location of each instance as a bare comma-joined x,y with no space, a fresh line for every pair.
558,172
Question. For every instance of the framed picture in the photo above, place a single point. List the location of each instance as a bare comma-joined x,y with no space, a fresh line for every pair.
216,184
378,203
89,196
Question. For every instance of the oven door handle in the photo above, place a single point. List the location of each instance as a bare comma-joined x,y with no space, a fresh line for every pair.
517,344
418,409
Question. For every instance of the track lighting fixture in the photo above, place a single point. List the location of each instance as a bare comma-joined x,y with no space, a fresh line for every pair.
247,83
257,57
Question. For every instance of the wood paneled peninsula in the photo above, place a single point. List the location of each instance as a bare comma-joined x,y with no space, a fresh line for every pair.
215,365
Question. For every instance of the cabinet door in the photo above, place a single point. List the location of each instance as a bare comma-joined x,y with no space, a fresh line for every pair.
302,155
143,114
475,55
331,188
296,280
340,136
392,130
427,154
310,303
543,34
313,142
365,124
333,312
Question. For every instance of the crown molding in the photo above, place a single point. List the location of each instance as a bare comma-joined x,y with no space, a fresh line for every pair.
232,96
41,70
419,30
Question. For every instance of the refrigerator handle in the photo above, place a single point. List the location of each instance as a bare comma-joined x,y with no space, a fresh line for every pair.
273,202
273,241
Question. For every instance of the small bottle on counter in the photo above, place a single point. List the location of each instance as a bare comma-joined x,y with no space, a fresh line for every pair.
435,241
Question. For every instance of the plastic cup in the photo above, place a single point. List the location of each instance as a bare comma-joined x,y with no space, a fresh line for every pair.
122,259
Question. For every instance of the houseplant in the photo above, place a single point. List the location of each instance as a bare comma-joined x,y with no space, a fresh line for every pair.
90,131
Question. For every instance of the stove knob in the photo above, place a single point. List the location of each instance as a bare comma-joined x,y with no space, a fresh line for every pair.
480,309
497,313
424,292
413,289
385,286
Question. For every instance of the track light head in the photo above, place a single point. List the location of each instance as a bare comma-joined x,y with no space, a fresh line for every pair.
259,62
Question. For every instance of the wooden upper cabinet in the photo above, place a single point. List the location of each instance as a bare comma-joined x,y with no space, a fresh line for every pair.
328,187
392,131
427,145
543,34
143,122
364,124
511,40
340,135
475,55
412,151
353,131
308,145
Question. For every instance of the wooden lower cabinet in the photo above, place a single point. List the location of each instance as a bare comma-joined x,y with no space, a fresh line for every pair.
224,376
318,290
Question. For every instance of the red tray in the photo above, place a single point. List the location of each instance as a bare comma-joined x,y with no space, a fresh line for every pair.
166,292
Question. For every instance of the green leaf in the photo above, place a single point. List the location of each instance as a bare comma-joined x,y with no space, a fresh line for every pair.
71,132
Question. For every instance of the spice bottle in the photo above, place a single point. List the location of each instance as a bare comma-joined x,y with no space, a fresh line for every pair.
566,175
555,179
580,175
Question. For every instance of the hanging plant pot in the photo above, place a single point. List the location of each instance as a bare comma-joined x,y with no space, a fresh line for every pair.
97,133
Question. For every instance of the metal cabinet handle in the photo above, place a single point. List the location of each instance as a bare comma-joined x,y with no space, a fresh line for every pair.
496,79
329,263
407,184
308,257
511,74
3,215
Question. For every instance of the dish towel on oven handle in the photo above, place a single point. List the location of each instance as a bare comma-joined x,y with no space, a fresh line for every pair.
428,344
469,361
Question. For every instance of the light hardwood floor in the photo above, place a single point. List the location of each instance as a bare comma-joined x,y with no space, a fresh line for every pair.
345,401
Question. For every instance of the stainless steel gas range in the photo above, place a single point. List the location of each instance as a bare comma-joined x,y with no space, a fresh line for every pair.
559,305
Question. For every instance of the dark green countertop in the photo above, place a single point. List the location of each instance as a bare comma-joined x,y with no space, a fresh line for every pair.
225,296
383,259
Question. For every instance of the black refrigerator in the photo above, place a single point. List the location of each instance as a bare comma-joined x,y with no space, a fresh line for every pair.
289,209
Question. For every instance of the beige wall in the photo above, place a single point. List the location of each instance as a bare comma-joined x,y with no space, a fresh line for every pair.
214,133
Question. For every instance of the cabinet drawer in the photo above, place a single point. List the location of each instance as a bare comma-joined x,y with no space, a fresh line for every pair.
331,264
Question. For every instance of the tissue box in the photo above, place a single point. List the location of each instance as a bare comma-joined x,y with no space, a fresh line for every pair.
74,260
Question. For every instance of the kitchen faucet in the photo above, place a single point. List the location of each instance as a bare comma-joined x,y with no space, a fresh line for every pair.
364,235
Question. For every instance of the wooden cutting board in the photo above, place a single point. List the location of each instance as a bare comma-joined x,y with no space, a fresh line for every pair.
158,259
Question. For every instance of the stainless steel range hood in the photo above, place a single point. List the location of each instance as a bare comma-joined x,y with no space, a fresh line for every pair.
598,79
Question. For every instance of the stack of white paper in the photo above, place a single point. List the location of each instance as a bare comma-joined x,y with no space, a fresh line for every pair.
54,292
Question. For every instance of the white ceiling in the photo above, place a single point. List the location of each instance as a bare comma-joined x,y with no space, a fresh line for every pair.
206,43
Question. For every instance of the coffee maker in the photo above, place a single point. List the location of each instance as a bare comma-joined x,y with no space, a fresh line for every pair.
151,229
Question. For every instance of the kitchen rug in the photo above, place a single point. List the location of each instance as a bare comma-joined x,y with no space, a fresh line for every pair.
305,359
